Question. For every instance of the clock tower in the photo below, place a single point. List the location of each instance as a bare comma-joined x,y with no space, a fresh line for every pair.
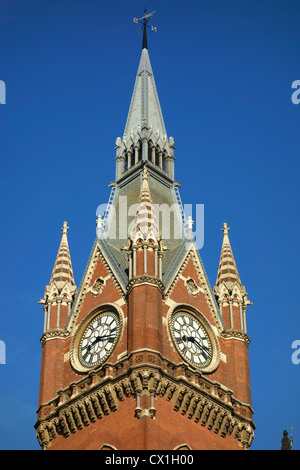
145,354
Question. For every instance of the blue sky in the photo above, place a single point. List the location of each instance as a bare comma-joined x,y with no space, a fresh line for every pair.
224,72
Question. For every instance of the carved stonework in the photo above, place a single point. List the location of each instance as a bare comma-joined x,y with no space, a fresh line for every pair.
62,334
202,279
86,401
145,279
98,285
95,258
229,334
192,286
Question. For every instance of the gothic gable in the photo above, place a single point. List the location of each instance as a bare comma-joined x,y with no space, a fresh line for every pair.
100,284
190,285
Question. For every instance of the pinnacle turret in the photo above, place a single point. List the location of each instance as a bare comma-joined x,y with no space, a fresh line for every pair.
227,271
145,237
60,292
62,271
145,225
231,295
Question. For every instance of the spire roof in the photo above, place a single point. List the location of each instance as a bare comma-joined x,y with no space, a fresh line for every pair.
145,103
227,271
62,270
145,223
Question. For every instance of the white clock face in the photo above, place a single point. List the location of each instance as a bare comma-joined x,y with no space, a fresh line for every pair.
191,339
98,339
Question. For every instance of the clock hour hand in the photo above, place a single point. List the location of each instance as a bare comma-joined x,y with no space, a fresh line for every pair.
196,343
188,338
99,338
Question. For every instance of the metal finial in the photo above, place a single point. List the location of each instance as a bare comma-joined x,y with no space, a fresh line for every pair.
144,21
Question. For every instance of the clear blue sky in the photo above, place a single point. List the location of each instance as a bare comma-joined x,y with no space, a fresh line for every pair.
224,72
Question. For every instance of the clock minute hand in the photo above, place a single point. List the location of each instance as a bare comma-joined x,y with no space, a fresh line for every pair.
196,343
204,348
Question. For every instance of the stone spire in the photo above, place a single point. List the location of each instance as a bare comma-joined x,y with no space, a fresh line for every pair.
231,295
145,245
145,103
145,225
62,271
227,271
60,293
145,136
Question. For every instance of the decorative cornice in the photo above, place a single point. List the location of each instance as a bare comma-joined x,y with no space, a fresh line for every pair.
54,334
145,279
99,393
236,334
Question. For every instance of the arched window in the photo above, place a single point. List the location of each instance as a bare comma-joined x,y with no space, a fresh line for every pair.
126,162
140,153
164,166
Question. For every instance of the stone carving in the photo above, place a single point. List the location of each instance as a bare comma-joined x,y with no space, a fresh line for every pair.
98,285
72,412
192,287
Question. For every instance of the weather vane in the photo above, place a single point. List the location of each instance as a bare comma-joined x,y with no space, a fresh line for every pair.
144,21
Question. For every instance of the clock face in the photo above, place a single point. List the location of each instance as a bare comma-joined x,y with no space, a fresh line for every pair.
191,339
98,339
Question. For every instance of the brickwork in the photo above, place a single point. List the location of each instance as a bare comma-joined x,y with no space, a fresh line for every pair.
168,431
146,328
119,363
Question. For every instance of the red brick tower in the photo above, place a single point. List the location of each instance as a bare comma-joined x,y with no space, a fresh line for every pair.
146,356
57,300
